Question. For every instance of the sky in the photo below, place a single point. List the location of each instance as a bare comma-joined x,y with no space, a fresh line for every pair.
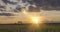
46,15
12,11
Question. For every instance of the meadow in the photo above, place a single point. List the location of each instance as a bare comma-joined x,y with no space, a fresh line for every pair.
46,27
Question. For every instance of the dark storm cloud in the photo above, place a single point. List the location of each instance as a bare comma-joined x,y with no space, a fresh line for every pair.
48,4
6,14
54,2
52,5
45,4
6,1
34,9
31,7
37,2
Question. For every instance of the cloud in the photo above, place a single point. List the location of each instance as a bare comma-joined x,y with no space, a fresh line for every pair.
6,14
18,5
45,4
9,1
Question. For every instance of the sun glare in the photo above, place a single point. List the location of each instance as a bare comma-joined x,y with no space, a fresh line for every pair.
35,20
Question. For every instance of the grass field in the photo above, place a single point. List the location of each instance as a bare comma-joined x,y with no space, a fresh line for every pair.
46,27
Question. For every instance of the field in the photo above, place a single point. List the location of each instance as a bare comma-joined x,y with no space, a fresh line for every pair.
46,27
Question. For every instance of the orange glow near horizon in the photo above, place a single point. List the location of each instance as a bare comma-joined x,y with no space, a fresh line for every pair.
33,19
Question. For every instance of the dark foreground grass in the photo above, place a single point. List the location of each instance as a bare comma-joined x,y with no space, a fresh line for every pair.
46,27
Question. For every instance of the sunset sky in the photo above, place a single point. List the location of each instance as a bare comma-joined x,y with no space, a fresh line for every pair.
47,15
23,10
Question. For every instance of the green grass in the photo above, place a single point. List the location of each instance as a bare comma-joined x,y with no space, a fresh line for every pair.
29,28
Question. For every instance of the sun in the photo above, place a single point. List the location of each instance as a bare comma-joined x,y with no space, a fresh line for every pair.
35,20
